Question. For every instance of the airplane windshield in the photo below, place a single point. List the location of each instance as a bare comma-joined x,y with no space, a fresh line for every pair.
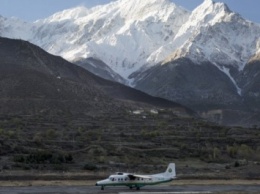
111,178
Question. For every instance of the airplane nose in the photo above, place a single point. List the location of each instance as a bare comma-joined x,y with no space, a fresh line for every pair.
96,184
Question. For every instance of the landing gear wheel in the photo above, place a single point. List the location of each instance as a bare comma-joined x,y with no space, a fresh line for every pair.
130,187
102,188
137,188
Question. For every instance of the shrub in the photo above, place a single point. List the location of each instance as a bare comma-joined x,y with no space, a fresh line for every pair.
38,137
39,157
51,134
245,151
68,158
232,151
60,167
90,166
19,159
216,153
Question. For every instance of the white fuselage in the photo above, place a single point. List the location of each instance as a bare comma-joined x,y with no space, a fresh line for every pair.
138,181
124,180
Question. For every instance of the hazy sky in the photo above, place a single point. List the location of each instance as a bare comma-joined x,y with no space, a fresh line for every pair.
31,10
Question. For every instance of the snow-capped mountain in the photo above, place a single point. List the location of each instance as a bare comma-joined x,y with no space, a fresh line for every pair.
130,36
214,33
123,34
153,45
214,67
15,28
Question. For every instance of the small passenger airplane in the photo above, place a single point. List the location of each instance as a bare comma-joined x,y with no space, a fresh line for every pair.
137,181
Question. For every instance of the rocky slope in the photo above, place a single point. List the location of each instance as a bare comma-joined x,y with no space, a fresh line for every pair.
215,68
35,82
206,89
100,69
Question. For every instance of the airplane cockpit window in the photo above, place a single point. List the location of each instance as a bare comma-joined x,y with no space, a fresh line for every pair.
119,173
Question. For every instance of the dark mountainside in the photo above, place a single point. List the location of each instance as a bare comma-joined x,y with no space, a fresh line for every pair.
100,69
207,90
249,79
57,116
33,81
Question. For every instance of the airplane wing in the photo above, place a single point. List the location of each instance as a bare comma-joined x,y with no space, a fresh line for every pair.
134,176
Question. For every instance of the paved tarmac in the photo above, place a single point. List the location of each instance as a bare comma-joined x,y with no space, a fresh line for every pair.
124,190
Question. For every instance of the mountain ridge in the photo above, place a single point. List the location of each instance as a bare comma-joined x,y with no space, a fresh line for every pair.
107,42
107,34
104,31
33,81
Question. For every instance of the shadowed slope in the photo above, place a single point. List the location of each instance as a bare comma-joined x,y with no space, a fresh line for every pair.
34,81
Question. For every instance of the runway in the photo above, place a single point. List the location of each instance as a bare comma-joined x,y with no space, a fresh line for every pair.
168,189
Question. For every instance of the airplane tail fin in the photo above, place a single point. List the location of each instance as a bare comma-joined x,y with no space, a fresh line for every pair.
170,172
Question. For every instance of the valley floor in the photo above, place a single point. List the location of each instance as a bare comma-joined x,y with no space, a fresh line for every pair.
178,186
92,182
83,149
188,173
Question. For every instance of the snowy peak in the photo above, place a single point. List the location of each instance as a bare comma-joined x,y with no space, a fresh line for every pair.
69,14
214,33
209,12
123,34
127,9
15,28
140,9
133,35
200,20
